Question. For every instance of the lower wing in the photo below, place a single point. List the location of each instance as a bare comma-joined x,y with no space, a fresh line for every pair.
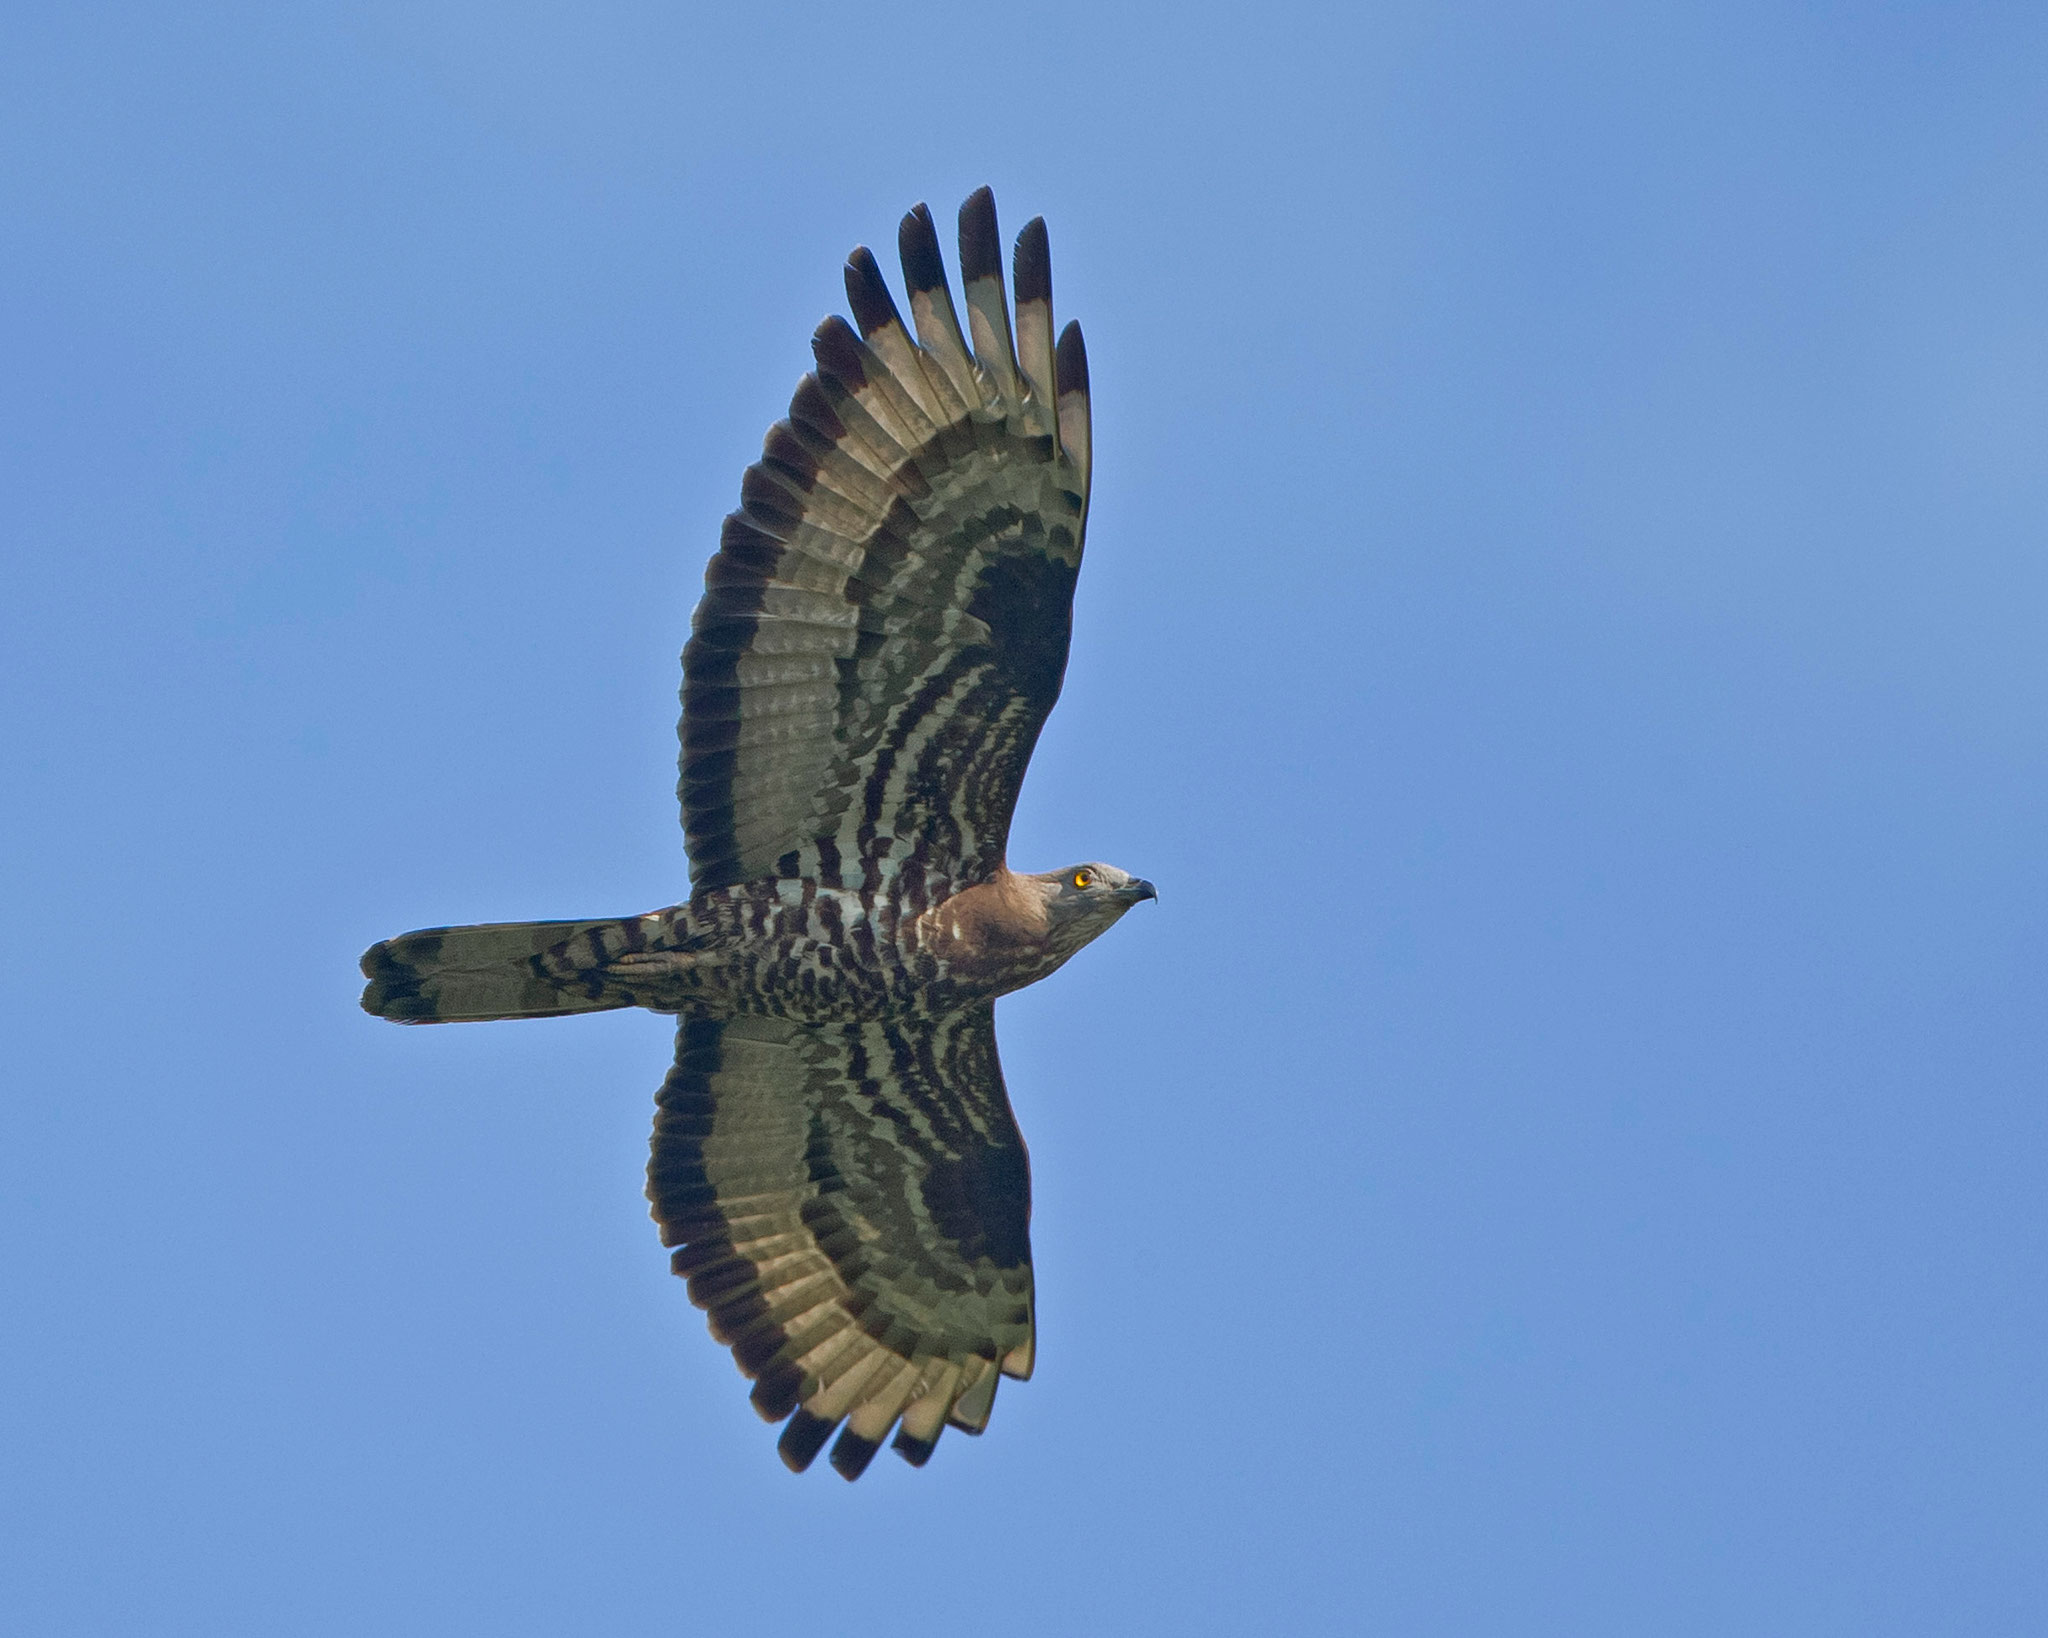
851,1205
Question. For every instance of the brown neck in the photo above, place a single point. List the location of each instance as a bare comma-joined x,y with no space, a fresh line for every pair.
991,928
1001,913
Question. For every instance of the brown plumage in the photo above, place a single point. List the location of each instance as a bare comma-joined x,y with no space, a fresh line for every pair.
883,630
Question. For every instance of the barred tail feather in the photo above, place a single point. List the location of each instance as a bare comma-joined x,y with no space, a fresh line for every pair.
513,969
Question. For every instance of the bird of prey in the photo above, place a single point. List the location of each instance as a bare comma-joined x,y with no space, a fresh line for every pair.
883,630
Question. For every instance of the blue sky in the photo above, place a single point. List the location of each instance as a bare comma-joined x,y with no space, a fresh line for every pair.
1563,627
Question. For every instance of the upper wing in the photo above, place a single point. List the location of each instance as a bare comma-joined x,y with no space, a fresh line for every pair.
885,624
852,1206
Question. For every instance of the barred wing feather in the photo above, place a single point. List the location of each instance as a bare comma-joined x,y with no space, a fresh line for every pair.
851,1205
885,624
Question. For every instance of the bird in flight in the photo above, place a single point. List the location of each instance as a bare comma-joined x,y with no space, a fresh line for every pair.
883,631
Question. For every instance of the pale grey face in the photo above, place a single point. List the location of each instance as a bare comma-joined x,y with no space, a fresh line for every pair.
1085,900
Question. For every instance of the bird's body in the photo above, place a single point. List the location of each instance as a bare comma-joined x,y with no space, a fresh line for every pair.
781,948
882,633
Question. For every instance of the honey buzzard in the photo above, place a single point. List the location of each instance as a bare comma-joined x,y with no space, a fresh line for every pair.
883,629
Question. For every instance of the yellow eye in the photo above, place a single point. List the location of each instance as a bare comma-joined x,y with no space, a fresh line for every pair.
1083,877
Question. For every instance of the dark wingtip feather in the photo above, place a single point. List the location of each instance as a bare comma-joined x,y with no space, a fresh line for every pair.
837,351
851,1454
814,410
1072,361
1034,263
776,1393
914,1451
802,1440
917,241
699,1254
867,293
981,246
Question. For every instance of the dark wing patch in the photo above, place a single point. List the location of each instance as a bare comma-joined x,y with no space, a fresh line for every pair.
884,627
851,1204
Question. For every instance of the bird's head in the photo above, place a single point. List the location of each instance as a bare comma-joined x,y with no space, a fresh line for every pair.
1084,901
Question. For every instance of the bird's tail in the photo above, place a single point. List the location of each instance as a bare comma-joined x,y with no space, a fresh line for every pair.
511,969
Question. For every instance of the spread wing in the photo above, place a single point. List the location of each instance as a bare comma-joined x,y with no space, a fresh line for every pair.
851,1203
884,626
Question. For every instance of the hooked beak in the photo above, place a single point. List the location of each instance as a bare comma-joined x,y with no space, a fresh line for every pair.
1138,890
